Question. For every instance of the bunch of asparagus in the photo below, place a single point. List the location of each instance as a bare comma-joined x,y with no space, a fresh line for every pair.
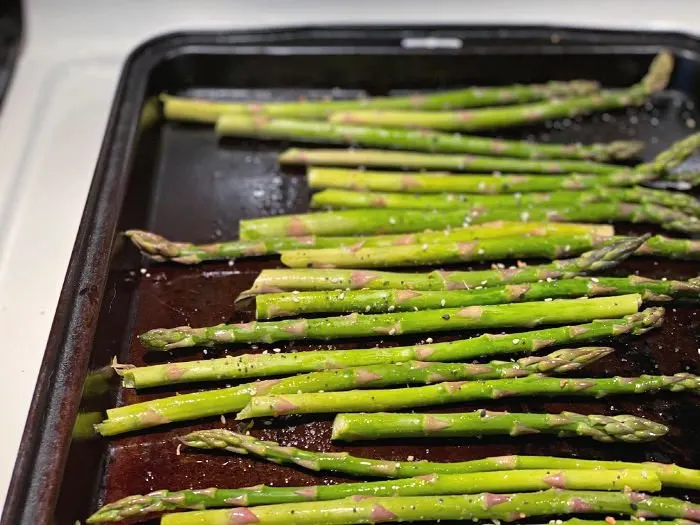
417,480
393,219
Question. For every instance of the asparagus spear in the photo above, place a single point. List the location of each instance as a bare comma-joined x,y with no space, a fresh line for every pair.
655,80
439,252
238,125
382,425
561,311
273,305
215,402
161,249
247,366
344,463
602,258
497,482
333,198
660,165
459,392
660,246
383,221
487,506
440,183
440,161
436,182
181,108
423,254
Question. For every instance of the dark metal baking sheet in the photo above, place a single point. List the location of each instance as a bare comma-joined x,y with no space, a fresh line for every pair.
178,180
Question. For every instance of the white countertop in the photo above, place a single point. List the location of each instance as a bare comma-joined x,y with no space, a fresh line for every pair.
52,123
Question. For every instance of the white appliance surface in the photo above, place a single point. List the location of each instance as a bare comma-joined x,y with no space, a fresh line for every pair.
53,119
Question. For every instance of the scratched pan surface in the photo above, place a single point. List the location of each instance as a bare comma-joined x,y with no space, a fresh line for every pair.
180,181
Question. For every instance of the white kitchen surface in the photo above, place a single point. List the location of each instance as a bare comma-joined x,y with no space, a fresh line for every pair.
52,123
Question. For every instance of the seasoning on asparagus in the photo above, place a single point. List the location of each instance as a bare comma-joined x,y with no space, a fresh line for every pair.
459,392
248,366
561,311
239,125
436,508
487,506
659,166
664,162
140,506
334,198
384,425
655,80
344,463
385,221
427,254
269,306
161,249
440,182
440,252
441,161
189,109
301,279
215,402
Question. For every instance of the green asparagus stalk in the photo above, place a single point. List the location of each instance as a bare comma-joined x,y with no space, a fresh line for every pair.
188,109
474,163
385,221
215,402
383,425
140,506
440,252
332,198
561,311
602,258
459,392
273,305
238,125
660,165
441,183
660,246
161,249
426,254
440,161
487,506
255,365
344,463
436,182
656,80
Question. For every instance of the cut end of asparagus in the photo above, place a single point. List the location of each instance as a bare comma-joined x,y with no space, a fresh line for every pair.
659,73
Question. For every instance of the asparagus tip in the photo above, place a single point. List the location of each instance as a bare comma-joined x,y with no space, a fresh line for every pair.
151,244
624,149
651,318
